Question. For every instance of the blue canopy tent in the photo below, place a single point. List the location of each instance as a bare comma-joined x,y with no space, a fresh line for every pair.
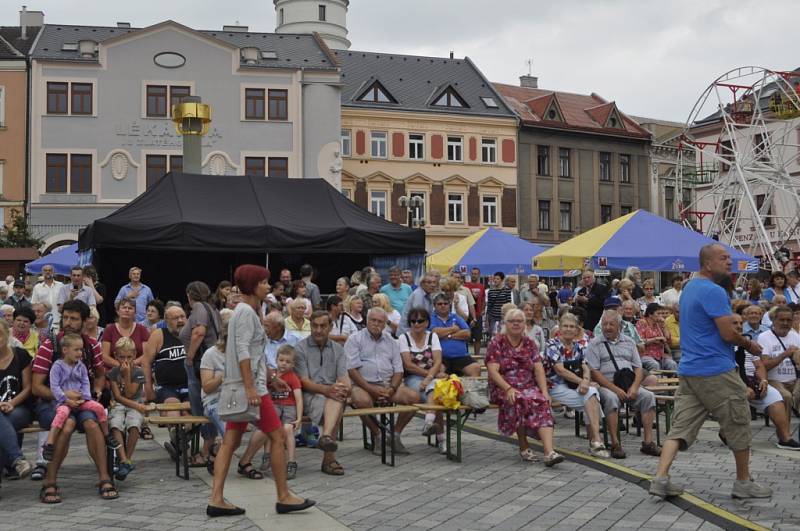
639,239
62,261
490,250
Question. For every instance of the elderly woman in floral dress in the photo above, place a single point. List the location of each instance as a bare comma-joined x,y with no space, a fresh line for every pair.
517,384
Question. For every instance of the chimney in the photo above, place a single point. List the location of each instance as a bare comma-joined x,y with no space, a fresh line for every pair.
87,48
27,19
529,81
452,54
250,55
123,25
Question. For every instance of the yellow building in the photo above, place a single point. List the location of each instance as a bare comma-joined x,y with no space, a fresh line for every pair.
433,128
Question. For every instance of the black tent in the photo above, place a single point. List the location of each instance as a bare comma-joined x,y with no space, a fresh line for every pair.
199,227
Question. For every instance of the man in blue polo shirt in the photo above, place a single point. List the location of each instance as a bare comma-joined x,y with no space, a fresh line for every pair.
396,290
454,333
709,382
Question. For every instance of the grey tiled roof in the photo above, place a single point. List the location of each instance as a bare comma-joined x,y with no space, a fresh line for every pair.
415,82
12,45
293,51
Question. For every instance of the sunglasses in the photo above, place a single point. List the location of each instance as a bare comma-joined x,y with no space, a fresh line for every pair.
419,321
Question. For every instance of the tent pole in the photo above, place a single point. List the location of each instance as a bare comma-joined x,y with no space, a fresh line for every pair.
267,266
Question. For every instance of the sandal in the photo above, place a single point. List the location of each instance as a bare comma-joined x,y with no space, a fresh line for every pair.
197,461
107,490
332,468
39,471
326,443
247,470
146,434
52,497
528,456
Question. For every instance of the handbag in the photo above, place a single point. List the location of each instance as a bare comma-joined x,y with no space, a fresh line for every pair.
233,404
576,368
623,378
476,393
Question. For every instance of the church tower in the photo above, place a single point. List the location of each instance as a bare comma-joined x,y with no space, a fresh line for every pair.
326,17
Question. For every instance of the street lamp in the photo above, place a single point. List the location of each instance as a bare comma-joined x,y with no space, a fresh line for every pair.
413,206
191,119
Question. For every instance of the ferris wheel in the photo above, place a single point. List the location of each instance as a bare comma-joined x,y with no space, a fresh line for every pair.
738,171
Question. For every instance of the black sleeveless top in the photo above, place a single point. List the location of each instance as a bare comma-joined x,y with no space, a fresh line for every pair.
169,362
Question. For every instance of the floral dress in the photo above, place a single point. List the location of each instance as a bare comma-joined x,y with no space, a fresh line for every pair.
530,409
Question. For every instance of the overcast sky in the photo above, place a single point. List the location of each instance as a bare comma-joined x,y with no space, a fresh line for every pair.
654,58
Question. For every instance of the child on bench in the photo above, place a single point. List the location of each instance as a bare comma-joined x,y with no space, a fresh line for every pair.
127,414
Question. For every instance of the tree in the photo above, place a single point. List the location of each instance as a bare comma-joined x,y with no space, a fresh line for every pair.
18,233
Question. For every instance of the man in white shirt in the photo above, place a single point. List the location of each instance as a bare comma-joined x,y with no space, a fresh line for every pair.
778,345
793,286
672,296
47,290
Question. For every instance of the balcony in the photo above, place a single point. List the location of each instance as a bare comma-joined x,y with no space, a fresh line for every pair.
700,175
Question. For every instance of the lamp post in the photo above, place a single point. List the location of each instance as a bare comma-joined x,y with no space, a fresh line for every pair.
413,206
191,119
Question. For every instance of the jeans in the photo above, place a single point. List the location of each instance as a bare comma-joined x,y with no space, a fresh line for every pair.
213,415
207,431
19,418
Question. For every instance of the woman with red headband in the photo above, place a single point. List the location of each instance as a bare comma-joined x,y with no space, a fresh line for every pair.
246,341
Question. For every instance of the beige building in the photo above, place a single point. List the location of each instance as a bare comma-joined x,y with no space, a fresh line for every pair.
432,128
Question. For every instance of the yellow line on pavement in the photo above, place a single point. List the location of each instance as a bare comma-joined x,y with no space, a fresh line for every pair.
603,463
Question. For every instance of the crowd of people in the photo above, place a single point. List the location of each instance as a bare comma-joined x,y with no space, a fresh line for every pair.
592,349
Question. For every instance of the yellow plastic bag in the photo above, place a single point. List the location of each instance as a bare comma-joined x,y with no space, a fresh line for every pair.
448,392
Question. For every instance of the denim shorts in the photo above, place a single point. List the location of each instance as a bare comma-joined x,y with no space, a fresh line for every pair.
45,412
163,392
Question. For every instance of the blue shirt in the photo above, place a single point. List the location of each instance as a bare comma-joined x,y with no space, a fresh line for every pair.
754,332
144,297
703,351
451,348
272,346
770,293
397,296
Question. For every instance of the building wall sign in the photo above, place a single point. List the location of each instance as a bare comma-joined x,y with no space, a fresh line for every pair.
169,60
158,134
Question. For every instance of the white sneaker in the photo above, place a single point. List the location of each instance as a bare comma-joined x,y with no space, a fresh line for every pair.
598,449
750,489
442,446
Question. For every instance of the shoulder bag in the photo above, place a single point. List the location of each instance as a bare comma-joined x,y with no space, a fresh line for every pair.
623,378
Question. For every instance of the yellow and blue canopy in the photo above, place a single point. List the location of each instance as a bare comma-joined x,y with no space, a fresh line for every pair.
490,250
639,239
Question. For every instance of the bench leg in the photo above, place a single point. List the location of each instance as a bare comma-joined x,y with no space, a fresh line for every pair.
183,442
391,435
577,423
341,429
658,427
448,435
367,445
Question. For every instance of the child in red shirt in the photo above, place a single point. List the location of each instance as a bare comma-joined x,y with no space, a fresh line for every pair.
289,404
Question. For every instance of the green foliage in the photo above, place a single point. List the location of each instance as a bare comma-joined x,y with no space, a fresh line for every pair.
18,234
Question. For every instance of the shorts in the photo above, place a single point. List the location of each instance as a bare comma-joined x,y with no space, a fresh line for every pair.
772,396
644,401
477,330
457,365
45,412
314,407
412,381
124,418
268,422
571,398
287,413
163,392
724,396
665,363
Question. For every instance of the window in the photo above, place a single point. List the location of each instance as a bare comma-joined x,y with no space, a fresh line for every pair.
418,212
489,102
254,104
450,98
544,215
454,148
322,13
2,106
416,146
543,160
81,98
155,169
728,210
625,168
767,216
377,203
624,210
563,162
177,94
176,163
489,209
605,213
605,166
488,150
565,223
455,208
80,174
255,166
376,93
56,174
669,202
378,144
57,98
280,17
157,100
347,142
278,104
346,193
278,167
2,178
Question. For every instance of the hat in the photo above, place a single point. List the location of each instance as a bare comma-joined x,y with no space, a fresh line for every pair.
19,284
612,302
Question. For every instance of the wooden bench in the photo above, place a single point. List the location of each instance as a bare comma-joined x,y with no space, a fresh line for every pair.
385,422
665,404
461,416
661,389
187,433
33,428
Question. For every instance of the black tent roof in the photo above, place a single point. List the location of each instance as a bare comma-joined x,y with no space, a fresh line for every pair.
249,214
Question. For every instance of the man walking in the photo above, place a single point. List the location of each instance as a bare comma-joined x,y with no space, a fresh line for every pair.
709,382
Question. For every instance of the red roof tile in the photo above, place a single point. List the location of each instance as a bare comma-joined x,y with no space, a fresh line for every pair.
581,112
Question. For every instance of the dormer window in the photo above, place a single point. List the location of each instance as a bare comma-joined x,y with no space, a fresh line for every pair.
450,98
489,102
376,93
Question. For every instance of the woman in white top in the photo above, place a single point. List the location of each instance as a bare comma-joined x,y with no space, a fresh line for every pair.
245,348
300,292
533,330
354,306
342,325
422,364
459,305
380,300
